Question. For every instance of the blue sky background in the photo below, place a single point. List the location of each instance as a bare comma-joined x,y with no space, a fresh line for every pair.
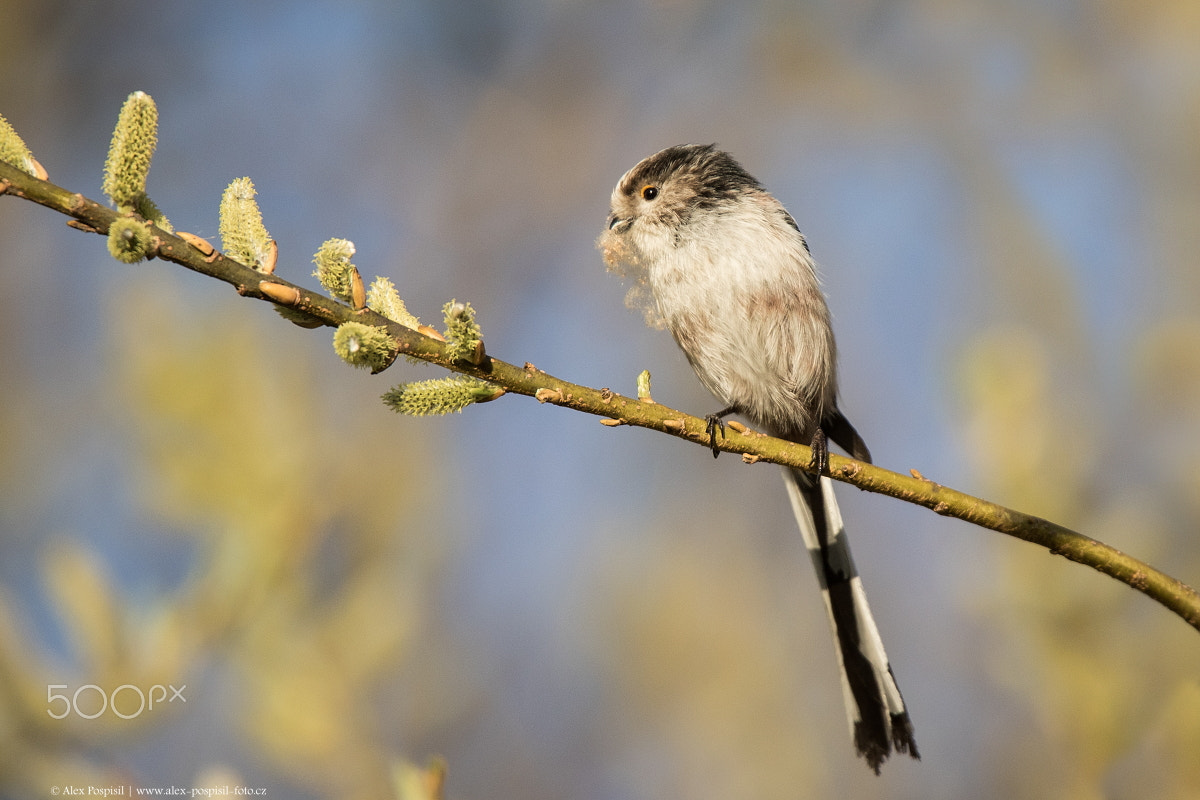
1003,204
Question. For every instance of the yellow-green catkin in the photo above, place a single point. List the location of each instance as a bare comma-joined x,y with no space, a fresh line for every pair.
128,240
149,210
244,238
13,150
382,298
364,346
462,331
441,396
132,148
334,268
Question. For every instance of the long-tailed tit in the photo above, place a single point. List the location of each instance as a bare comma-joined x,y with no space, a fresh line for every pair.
722,265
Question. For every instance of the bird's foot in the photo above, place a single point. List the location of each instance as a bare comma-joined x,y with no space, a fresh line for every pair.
716,422
820,453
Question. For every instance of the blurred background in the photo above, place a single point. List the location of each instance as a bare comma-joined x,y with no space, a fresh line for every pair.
1004,200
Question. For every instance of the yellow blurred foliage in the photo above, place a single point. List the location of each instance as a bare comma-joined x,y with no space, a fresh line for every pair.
244,463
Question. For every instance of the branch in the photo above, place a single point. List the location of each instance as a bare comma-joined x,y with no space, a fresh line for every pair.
527,380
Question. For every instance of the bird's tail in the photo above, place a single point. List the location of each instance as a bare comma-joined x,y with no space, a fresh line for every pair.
878,717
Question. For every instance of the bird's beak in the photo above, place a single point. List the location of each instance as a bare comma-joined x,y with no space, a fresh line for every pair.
617,223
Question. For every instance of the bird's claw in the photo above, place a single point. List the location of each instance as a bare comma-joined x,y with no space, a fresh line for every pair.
715,423
820,453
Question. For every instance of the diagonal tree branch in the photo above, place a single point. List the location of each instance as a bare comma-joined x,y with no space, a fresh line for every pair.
527,380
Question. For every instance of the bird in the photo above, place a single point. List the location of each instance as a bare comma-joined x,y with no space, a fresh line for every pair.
720,263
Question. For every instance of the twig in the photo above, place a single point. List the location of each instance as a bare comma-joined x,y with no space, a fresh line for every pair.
91,216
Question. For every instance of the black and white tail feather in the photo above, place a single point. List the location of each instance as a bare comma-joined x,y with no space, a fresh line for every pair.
878,717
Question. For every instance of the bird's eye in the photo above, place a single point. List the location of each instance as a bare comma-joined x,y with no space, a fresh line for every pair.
649,192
